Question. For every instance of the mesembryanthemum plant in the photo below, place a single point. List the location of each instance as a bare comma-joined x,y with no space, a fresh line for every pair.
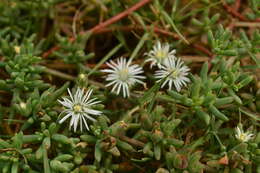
159,54
78,107
243,136
176,73
123,75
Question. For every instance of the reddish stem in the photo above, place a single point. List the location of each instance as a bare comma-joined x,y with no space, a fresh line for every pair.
105,23
132,27
119,16
234,13
202,49
237,5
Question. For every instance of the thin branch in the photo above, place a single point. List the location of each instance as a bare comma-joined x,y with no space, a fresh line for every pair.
119,16
132,141
233,12
246,24
104,24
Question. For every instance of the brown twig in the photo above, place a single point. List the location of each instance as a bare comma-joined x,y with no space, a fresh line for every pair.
132,141
202,49
104,24
237,5
132,27
246,24
234,12
119,16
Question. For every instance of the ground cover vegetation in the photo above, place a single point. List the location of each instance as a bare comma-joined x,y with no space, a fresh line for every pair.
138,86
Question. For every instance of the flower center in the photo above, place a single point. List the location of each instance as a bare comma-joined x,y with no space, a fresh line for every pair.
160,54
242,137
174,73
123,74
77,108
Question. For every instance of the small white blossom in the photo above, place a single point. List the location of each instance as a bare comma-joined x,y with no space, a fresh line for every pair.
78,107
176,71
23,105
82,76
122,75
159,54
243,136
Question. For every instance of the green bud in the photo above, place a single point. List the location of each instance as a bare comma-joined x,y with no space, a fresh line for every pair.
6,167
148,149
88,138
15,167
52,128
195,88
236,98
202,115
58,166
69,166
157,151
176,95
124,145
45,118
64,157
39,153
211,39
209,99
223,101
244,82
174,142
47,142
204,72
217,113
61,138
52,113
196,22
114,151
46,132
26,151
228,52
214,18
78,159
98,152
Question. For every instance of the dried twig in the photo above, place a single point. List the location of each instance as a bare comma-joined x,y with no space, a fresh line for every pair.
104,24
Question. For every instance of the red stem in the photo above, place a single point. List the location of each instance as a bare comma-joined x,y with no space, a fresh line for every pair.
120,16
234,13
105,23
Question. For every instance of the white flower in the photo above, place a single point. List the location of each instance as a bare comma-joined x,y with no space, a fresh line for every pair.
122,75
159,54
243,136
78,107
176,72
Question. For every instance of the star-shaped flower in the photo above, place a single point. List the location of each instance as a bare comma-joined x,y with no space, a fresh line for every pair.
122,75
159,54
78,107
176,73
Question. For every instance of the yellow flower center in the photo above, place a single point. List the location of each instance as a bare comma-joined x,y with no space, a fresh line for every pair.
123,74
17,49
160,54
174,73
77,108
82,76
242,137
23,105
